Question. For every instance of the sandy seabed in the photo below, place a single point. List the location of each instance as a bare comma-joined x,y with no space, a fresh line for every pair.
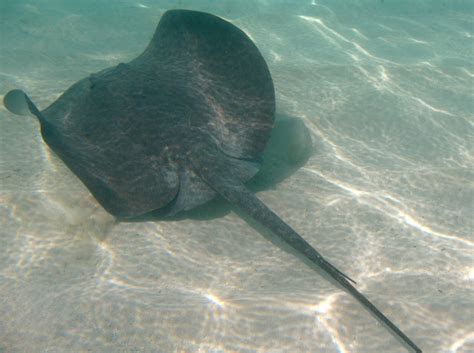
385,89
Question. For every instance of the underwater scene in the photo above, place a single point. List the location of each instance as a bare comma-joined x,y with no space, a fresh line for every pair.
128,216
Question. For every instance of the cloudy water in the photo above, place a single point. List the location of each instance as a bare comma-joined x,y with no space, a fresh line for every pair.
385,90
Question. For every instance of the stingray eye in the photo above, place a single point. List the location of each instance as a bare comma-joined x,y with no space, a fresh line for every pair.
122,66
92,81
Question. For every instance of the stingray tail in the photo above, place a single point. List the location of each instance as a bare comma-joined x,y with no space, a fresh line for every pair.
238,195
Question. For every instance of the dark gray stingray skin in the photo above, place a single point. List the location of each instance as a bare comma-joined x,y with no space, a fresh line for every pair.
187,119
127,131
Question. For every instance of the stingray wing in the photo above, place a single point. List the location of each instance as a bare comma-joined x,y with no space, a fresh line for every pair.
92,131
226,79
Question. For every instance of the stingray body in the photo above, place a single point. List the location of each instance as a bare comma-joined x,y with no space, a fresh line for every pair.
186,120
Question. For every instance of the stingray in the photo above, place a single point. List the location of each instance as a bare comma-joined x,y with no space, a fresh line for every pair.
186,120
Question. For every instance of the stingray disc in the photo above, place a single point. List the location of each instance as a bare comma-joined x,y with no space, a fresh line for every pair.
125,131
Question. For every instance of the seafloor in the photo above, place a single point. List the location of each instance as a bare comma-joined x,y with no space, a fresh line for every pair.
386,91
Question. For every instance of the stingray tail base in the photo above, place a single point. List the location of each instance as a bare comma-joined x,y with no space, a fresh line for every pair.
237,194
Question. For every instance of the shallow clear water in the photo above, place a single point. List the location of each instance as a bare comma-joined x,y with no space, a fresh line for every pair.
386,90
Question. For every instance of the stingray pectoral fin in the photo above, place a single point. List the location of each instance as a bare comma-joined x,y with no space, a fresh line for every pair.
220,178
18,102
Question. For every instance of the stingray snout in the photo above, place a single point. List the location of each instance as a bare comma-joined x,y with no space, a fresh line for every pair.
17,102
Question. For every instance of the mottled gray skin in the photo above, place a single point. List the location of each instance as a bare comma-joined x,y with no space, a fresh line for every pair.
128,131
187,119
